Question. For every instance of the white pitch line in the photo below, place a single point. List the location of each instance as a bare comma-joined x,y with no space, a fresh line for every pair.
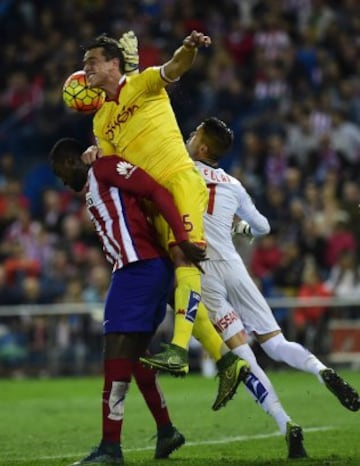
239,438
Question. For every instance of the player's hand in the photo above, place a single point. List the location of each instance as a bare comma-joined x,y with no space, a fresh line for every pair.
91,154
242,228
129,45
193,253
196,39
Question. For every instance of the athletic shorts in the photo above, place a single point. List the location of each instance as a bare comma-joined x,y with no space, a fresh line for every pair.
191,197
233,300
137,297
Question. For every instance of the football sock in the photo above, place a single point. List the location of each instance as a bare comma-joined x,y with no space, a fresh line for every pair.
146,380
293,354
117,376
187,297
205,332
261,389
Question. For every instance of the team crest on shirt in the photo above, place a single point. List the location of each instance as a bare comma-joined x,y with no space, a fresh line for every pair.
89,200
125,169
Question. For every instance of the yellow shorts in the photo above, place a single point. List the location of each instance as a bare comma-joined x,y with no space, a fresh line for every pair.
191,197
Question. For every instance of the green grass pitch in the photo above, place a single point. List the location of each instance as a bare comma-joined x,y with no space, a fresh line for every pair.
55,422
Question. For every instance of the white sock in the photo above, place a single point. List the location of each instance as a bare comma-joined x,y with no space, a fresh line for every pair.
295,355
261,389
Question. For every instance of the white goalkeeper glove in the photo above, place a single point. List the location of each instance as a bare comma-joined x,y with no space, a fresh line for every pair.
129,45
242,228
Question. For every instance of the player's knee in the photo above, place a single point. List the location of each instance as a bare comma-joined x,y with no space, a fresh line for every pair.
121,346
272,346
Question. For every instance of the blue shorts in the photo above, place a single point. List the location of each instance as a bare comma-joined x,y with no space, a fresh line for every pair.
137,297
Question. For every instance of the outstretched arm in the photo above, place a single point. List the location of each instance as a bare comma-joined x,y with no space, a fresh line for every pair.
185,55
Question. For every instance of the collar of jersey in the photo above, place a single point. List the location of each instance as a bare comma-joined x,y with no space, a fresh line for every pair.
208,164
121,84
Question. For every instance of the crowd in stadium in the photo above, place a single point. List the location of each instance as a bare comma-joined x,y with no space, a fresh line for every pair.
283,74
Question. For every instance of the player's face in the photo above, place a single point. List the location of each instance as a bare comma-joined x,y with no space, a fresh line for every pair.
72,176
193,143
96,67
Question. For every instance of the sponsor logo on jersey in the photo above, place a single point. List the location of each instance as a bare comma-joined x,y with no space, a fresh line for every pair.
180,312
125,169
120,119
226,321
193,305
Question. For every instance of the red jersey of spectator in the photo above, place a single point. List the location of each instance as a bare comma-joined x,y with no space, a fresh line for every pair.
342,239
266,257
311,315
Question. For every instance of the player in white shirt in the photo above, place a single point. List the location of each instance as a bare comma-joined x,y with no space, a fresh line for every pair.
234,302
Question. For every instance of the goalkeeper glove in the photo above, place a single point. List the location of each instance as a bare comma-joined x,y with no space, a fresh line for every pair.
128,44
242,228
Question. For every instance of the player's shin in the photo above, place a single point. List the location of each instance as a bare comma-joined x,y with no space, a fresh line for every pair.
117,379
231,369
146,380
261,389
187,297
205,332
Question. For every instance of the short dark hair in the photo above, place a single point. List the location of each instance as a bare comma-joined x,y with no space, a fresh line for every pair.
110,46
63,149
217,136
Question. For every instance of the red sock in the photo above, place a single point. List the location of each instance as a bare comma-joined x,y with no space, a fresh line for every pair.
150,390
117,376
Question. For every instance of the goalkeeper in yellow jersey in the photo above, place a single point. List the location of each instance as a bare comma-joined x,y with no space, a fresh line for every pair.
137,122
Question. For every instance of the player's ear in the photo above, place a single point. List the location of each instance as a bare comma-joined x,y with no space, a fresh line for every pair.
203,149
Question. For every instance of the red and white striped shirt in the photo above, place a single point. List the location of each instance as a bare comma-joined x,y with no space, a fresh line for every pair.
115,189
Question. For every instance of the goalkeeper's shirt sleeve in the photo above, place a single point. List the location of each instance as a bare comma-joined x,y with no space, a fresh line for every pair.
115,171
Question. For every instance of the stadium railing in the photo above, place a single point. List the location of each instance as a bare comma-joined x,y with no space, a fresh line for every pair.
60,339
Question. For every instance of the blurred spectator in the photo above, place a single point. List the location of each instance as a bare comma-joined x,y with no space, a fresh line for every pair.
277,160
52,210
273,205
7,169
325,158
287,275
341,239
313,244
272,36
345,138
310,321
344,278
301,140
266,257
350,194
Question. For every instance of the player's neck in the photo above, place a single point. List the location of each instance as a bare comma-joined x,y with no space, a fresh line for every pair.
113,86
210,162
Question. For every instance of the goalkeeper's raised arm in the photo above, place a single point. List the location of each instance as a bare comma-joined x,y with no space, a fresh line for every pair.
181,61
185,55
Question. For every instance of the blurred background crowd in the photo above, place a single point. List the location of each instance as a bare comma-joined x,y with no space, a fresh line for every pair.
284,74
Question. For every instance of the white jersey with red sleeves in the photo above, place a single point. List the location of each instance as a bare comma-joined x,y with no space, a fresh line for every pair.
227,197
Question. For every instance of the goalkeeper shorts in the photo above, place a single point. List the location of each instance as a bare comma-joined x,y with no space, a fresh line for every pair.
191,197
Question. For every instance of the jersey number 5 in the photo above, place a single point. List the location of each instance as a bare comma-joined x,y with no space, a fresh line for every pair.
211,203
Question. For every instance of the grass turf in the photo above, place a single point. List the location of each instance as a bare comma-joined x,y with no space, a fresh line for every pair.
55,422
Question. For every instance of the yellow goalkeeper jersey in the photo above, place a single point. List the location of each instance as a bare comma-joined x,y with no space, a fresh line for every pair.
140,126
